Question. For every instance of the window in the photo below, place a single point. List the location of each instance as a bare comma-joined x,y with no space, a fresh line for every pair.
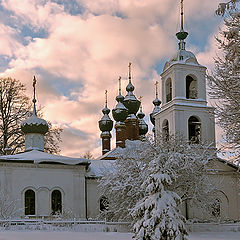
56,202
165,130
169,90
29,202
194,130
103,203
191,88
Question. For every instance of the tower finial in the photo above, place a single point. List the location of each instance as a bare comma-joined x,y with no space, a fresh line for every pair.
129,72
119,85
34,96
140,98
106,98
182,34
156,85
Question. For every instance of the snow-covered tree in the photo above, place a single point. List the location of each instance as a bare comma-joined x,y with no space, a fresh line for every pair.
157,216
227,7
122,185
15,106
224,81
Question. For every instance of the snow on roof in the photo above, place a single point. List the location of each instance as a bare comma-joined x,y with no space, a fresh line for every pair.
43,157
98,168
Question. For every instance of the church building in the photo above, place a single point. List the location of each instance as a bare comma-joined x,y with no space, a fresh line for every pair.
45,185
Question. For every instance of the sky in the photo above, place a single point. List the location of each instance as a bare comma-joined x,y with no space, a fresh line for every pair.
78,48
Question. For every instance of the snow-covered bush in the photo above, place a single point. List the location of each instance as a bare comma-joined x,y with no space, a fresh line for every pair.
8,206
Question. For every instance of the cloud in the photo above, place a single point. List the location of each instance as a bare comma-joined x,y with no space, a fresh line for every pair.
90,50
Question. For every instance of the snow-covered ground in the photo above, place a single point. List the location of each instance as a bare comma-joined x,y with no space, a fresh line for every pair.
37,235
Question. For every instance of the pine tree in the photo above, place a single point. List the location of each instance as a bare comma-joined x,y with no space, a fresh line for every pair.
157,216
15,107
224,81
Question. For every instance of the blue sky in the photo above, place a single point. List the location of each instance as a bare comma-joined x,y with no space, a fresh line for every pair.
77,49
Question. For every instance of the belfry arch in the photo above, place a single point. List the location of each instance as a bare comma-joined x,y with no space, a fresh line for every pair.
191,87
194,129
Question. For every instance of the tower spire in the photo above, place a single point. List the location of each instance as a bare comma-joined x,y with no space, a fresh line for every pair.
181,35
34,96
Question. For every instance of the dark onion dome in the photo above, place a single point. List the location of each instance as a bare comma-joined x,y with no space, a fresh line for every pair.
34,124
156,102
130,101
143,127
105,124
120,112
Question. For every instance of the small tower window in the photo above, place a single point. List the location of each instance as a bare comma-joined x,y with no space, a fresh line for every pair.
104,203
29,202
194,130
165,130
56,202
169,90
191,88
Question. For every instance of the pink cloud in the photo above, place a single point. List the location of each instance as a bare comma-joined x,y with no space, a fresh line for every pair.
92,51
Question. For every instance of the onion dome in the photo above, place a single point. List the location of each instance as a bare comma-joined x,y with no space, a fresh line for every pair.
105,124
143,127
130,101
120,112
156,102
34,124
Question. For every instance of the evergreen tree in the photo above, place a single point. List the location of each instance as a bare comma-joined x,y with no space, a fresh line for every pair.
224,81
15,107
157,216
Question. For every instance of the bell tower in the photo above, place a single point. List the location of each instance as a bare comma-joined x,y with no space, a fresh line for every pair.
184,107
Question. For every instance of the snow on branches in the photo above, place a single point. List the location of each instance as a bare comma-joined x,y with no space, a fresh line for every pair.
224,81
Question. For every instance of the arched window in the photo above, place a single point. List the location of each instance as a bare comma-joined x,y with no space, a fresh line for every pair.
103,203
165,130
56,202
168,90
191,88
194,130
29,202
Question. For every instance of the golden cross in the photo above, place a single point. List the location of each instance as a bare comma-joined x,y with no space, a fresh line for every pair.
129,71
140,98
156,85
106,97
34,96
119,85
181,14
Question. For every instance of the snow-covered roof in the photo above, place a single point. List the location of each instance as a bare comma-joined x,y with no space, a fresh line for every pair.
97,168
111,155
43,157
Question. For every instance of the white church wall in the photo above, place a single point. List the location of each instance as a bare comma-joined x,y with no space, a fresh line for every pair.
16,178
93,196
